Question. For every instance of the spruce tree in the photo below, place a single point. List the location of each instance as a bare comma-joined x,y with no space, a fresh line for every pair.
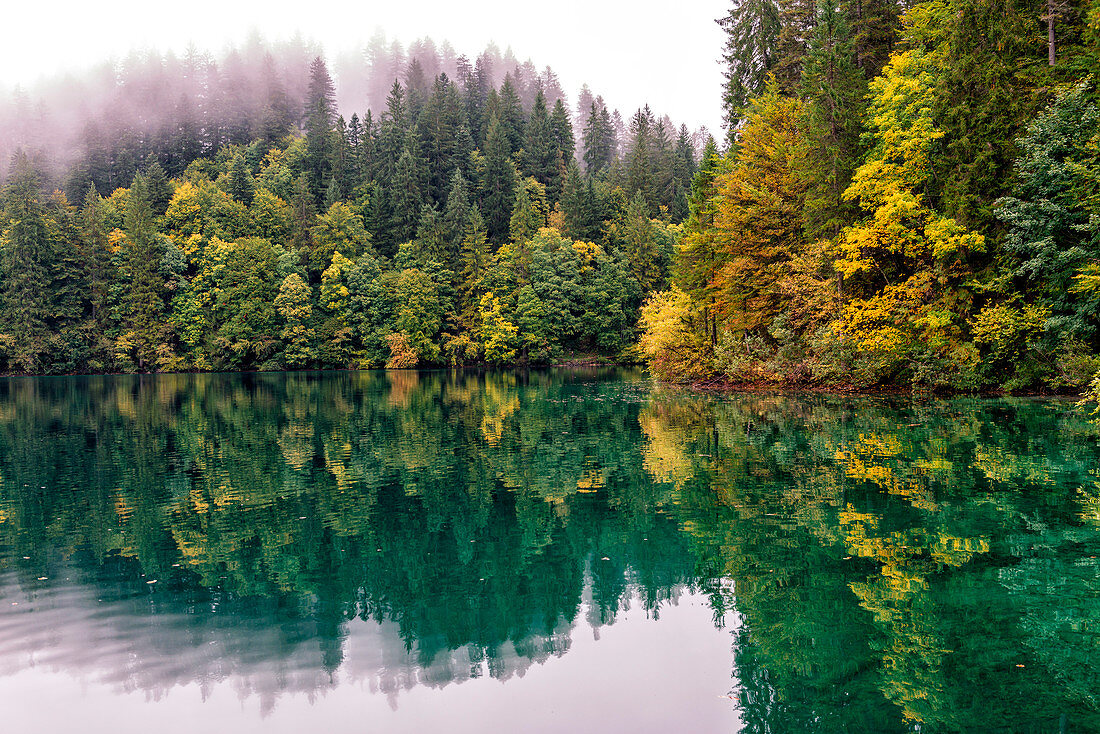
599,140
835,89
498,184
24,286
752,38
457,214
563,131
540,153
141,307
320,128
476,259
511,115
640,173
407,197
159,188
241,185
1052,225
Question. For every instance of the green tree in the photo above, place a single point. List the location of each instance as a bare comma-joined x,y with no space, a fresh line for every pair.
320,128
752,36
498,188
25,275
241,186
1050,217
141,303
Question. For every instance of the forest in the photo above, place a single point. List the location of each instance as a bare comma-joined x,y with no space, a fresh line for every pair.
224,214
909,195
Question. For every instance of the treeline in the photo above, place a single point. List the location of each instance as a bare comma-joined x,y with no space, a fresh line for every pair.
911,196
460,225
105,124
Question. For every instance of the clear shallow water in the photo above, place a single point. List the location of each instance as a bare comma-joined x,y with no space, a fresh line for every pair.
568,551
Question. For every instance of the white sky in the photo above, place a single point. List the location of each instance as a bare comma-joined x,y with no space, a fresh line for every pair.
632,51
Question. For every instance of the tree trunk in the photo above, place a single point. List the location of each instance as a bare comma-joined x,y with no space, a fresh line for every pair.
1050,31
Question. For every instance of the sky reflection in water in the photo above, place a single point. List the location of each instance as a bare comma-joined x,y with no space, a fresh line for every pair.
544,552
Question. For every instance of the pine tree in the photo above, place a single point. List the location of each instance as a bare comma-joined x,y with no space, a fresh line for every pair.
408,197
141,307
835,89
752,38
159,188
599,140
540,153
563,132
241,185
320,128
25,304
498,183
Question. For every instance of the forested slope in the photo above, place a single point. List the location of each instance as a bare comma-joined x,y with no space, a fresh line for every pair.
910,196
226,216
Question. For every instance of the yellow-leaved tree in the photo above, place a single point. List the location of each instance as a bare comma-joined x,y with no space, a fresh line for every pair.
905,265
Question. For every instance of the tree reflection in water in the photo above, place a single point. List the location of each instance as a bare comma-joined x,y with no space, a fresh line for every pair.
891,565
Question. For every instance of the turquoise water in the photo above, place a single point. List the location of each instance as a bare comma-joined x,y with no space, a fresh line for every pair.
561,551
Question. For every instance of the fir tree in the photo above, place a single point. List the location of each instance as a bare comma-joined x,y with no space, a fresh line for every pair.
498,182
141,306
320,128
24,259
752,37
241,185
599,140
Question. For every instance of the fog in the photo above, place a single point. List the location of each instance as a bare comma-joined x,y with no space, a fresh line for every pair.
79,63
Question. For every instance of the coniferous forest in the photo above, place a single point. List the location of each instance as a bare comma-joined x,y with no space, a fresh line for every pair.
907,194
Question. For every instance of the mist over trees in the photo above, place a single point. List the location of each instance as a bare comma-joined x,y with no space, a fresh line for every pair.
258,212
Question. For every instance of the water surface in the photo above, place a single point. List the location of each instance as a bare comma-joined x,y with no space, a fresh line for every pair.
561,551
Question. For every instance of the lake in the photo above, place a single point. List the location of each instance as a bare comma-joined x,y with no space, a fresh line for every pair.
560,551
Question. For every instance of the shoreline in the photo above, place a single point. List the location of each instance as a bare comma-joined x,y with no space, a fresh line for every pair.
717,386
